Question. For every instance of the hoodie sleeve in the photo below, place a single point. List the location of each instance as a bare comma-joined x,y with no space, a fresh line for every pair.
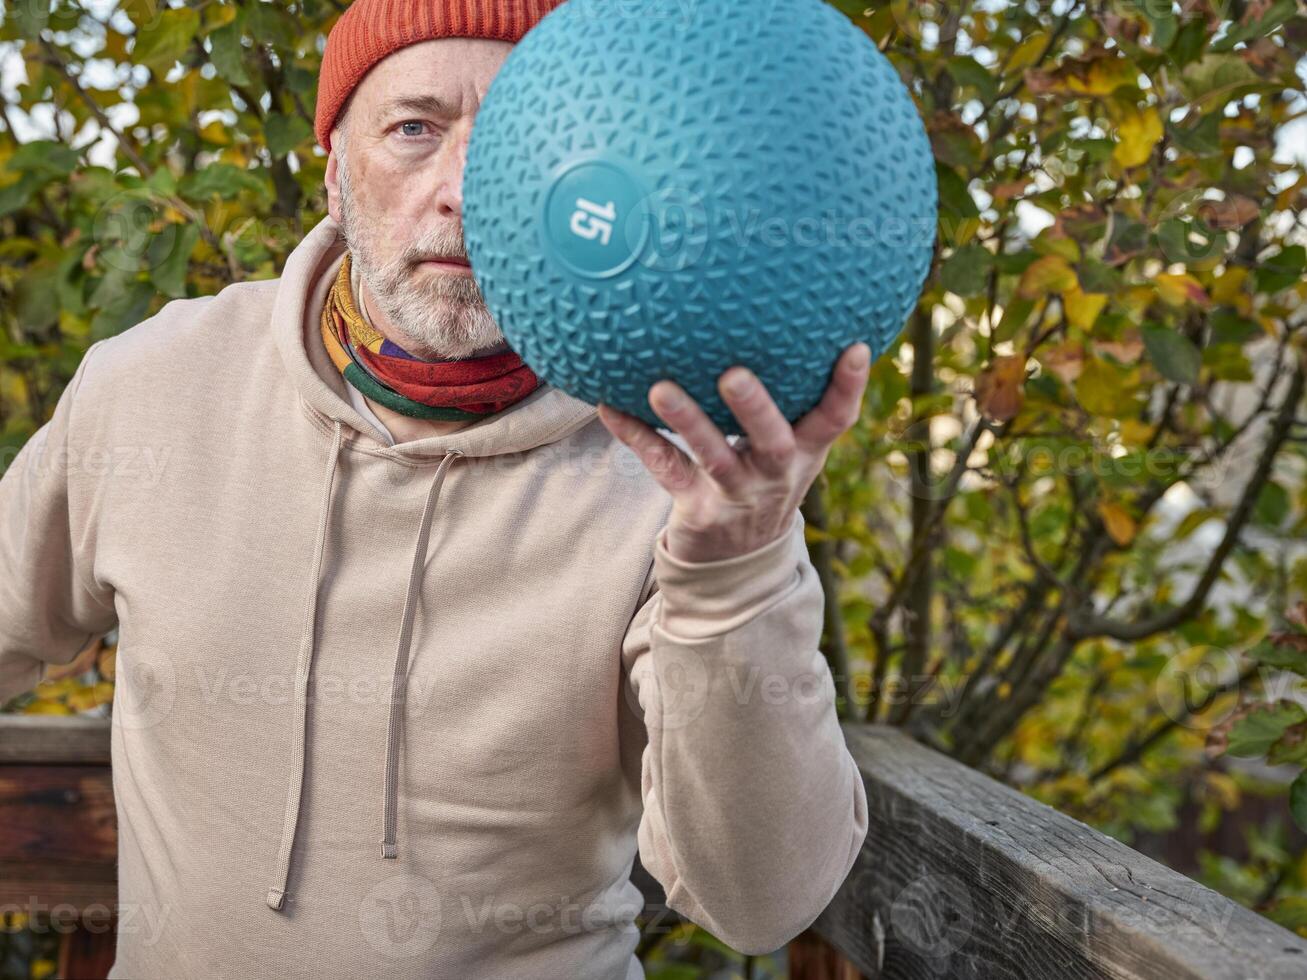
49,606
754,809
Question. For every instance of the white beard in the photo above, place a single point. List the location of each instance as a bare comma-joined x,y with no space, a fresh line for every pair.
438,317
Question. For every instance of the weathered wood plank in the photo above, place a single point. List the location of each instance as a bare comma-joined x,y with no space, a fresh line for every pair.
61,814
53,740
962,877
42,886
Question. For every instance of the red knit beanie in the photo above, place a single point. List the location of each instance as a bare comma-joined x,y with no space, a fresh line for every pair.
372,29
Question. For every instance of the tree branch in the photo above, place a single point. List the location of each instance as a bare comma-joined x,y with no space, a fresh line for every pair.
1085,626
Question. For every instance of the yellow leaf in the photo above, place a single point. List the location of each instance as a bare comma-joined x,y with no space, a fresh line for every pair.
1120,526
1082,309
41,969
83,700
1108,389
1051,274
1138,133
1004,691
44,707
216,132
1105,76
1137,300
1228,287
1065,246
1177,289
218,15
13,387
1027,52
1224,788
1135,433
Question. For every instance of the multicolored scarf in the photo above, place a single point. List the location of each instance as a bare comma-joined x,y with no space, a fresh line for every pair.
453,391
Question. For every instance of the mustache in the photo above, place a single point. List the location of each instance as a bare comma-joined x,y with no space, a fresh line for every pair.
436,247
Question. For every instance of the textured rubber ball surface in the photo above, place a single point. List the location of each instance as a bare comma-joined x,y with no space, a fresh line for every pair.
666,195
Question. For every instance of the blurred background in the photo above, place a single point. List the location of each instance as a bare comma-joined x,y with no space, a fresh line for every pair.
1065,544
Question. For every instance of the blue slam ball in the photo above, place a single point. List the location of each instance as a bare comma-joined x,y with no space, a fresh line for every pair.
665,189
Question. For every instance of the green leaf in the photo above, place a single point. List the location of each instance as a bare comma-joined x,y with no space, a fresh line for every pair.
1226,362
1129,237
1291,749
228,55
968,72
30,17
1202,138
36,299
226,180
45,158
1097,277
1278,13
1174,356
1253,735
1282,270
1298,800
285,133
1228,327
1217,76
169,257
16,196
1193,521
1164,25
1190,42
954,198
300,80
967,270
161,43
270,23
1189,240
1272,507
71,277
1291,911
1280,656
122,301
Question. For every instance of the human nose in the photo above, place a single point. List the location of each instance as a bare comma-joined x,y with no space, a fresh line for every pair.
449,198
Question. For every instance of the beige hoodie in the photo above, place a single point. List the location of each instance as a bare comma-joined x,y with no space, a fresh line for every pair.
409,710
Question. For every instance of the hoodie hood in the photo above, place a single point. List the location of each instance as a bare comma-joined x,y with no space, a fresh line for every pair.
546,415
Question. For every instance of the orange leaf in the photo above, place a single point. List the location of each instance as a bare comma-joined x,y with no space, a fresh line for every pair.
1126,349
1231,214
1066,361
1121,527
999,393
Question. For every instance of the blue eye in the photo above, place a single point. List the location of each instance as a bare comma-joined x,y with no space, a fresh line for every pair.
411,122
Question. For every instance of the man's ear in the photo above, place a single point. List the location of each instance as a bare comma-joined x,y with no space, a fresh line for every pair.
332,181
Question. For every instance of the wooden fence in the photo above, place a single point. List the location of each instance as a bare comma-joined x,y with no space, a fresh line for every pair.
960,877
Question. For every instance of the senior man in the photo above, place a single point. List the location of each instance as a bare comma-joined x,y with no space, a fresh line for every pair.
415,651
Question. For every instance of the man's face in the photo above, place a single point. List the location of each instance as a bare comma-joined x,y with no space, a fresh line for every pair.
395,186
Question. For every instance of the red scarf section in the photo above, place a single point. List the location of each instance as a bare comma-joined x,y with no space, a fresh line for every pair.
447,390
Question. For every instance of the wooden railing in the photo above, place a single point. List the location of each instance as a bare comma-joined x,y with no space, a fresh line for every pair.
960,876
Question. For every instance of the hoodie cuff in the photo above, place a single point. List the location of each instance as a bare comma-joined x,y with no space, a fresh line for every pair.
703,599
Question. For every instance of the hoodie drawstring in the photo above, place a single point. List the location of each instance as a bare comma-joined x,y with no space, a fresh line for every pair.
399,682
308,642
277,893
